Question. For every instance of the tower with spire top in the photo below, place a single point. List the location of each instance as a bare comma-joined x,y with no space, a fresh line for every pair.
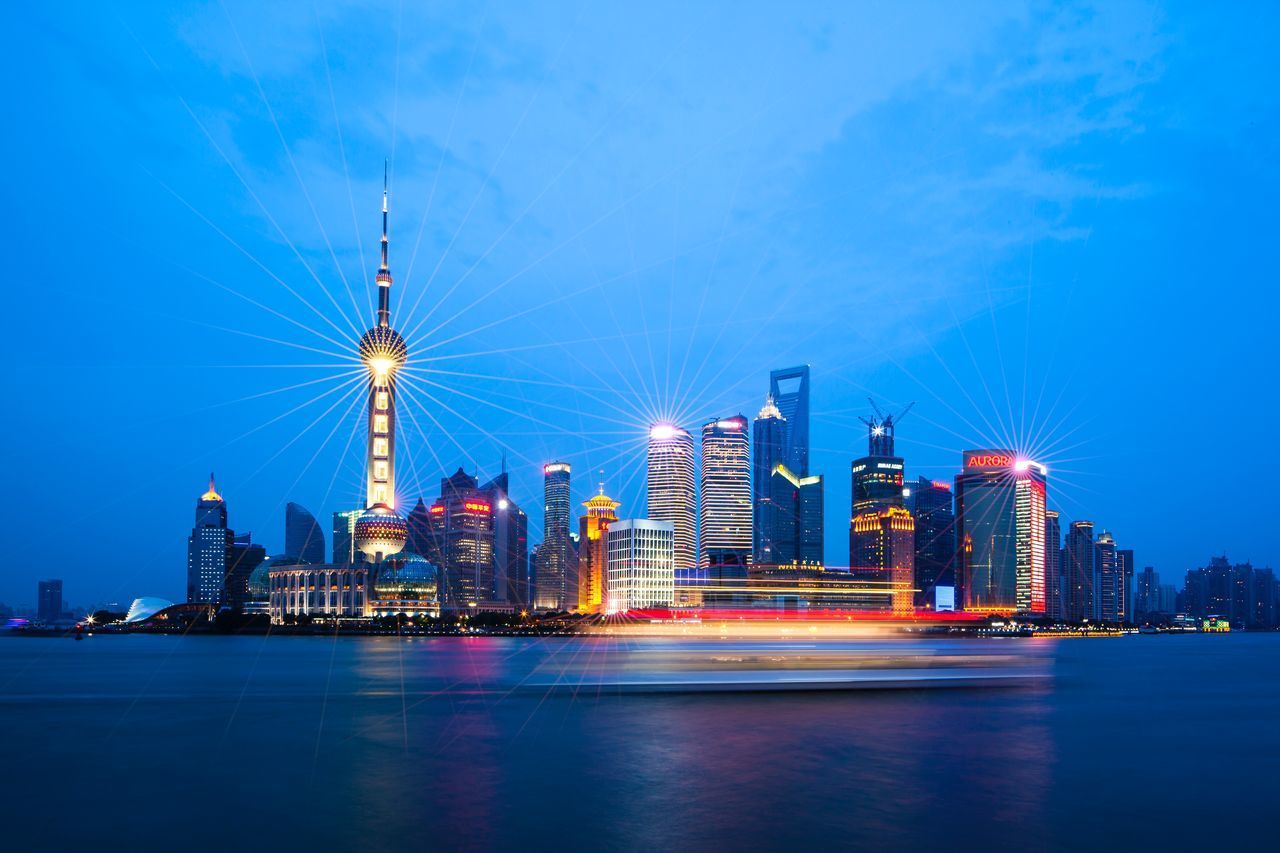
380,531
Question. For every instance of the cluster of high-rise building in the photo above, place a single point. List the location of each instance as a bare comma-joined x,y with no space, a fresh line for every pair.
733,516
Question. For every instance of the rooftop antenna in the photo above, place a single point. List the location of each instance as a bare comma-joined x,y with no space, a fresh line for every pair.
880,429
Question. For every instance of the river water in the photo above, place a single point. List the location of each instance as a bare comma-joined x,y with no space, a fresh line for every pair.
372,743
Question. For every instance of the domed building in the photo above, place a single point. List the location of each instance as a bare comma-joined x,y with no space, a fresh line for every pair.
407,584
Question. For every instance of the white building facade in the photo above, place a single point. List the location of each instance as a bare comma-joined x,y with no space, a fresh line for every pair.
640,560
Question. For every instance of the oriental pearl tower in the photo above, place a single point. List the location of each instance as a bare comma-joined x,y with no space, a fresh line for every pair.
380,531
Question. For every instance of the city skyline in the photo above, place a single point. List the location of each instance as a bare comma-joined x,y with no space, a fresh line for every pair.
556,346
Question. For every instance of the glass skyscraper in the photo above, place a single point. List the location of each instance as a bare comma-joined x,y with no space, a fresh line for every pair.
552,588
768,451
670,489
935,539
1078,558
725,499
1000,530
789,388
303,537
208,547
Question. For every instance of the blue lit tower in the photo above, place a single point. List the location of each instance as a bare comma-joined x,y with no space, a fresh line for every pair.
380,531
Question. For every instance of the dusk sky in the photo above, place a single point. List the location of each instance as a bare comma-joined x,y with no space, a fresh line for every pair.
1053,229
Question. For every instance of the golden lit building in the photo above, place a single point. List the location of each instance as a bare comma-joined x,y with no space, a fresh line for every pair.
592,553
885,541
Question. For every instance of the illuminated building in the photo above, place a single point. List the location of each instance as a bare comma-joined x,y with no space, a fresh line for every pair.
768,451
670,488
552,579
935,539
49,601
886,544
1000,528
242,560
510,544
327,591
1238,594
640,564
593,579
881,529
1055,586
1124,558
1078,567
725,499
462,541
207,548
407,585
1108,579
302,534
795,516
344,537
789,389
380,531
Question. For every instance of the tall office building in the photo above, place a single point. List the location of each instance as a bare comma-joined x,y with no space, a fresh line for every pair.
207,548
640,564
885,540
1108,579
789,388
593,578
881,530
303,537
1147,596
1124,557
1078,559
418,524
49,601
242,559
725,499
344,537
462,541
930,503
670,488
1000,528
381,531
510,544
553,566
1055,586
768,451
795,516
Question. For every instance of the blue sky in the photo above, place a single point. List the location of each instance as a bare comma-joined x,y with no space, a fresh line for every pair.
1051,226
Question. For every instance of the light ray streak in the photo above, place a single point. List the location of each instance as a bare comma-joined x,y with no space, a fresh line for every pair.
306,194
254,259
353,389
444,151
346,171
484,185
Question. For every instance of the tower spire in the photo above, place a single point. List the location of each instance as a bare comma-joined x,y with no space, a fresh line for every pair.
384,271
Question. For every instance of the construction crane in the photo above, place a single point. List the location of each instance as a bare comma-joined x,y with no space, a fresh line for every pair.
880,429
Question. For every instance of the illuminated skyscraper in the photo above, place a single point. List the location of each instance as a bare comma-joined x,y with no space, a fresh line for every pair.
462,541
344,537
208,547
725,500
510,544
1055,586
1000,528
1124,557
670,488
882,540
930,503
769,447
593,575
789,388
303,537
552,587
1078,559
639,556
794,513
380,531
1108,579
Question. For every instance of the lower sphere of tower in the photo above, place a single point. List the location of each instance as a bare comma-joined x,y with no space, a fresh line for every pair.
380,532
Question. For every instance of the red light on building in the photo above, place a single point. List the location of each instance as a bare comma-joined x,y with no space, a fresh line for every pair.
939,484
436,510
988,459
477,506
